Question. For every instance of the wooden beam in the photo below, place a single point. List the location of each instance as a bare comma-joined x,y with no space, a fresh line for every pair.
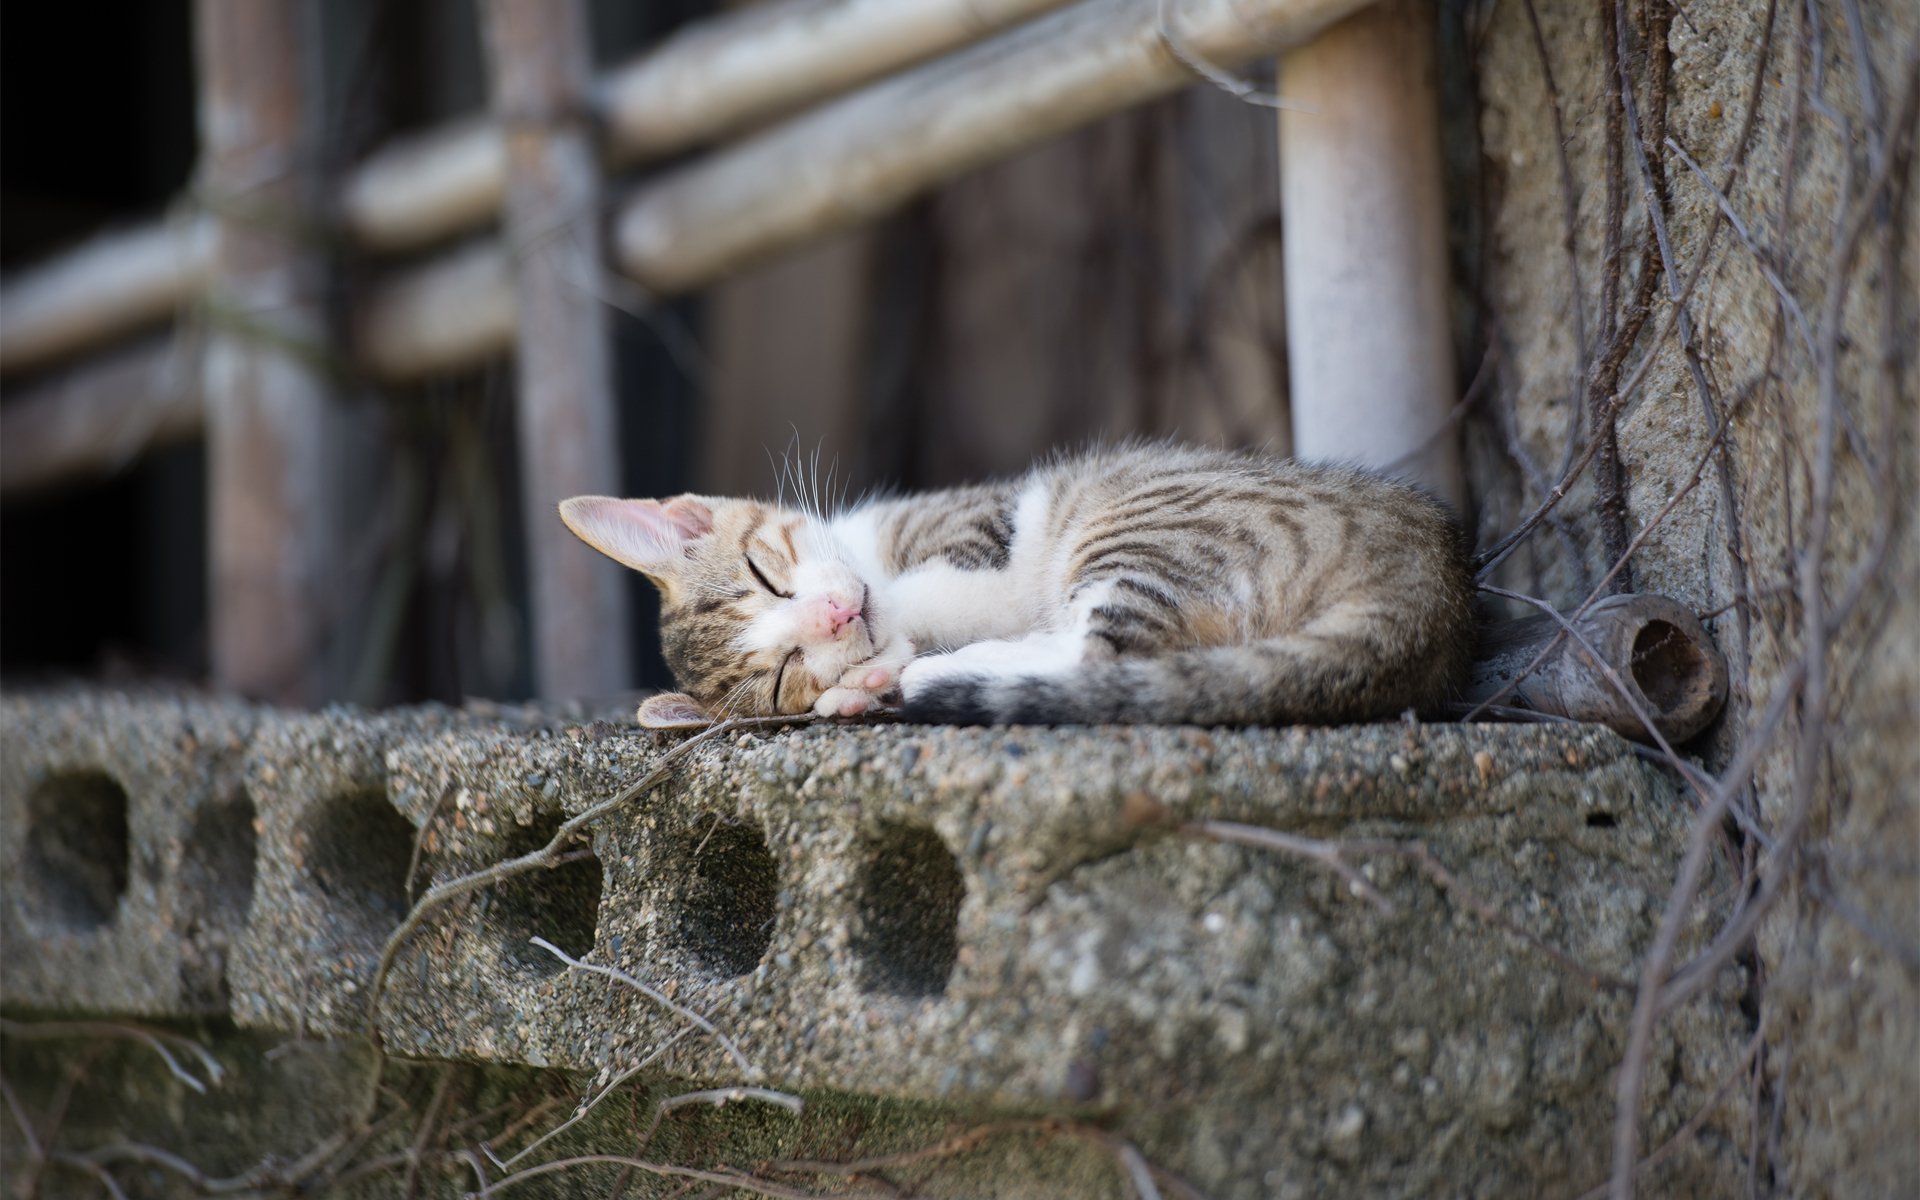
850,161
1370,361
271,480
456,311
710,79
537,52
861,156
95,417
845,163
114,284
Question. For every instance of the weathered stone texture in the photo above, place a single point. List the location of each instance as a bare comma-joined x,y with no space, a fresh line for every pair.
1840,1000
978,921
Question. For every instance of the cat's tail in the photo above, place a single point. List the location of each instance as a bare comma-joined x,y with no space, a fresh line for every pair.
1285,680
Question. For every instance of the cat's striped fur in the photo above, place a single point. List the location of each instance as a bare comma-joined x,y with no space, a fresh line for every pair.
1147,583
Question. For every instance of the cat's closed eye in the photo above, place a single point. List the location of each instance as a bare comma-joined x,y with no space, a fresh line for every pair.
780,675
765,582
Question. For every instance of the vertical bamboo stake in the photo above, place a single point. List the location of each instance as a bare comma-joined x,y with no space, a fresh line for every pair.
1369,345
537,51
270,483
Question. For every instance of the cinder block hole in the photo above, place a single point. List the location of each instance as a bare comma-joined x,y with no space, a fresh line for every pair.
1601,820
1669,668
357,847
908,893
216,870
559,903
77,851
725,902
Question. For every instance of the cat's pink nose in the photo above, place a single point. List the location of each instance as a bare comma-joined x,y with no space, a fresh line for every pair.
839,614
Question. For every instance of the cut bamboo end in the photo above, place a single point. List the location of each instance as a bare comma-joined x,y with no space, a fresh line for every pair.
1654,645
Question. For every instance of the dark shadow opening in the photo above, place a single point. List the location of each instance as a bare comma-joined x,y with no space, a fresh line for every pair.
560,903
77,850
908,890
724,910
214,893
357,849
217,868
1601,820
1668,667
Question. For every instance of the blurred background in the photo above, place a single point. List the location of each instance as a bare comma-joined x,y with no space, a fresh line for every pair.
1123,279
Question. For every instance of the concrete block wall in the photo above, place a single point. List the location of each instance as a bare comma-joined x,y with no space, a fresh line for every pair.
968,919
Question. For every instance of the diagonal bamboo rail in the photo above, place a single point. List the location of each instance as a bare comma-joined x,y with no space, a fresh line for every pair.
850,161
711,79
95,417
846,162
117,283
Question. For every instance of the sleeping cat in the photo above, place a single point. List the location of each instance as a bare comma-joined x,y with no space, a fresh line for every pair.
1147,583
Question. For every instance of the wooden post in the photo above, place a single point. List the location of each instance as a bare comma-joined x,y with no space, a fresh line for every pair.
1369,344
269,475
537,50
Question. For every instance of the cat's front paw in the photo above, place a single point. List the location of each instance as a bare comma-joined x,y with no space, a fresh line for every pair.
866,686
845,702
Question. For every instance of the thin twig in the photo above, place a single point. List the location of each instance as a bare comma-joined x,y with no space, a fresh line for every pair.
658,997
153,1039
1240,89
725,1177
420,839
440,893
1330,855
581,1115
719,1097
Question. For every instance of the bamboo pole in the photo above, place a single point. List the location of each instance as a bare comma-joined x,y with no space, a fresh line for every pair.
721,76
416,190
97,416
848,161
858,157
537,52
453,312
1369,344
114,284
851,160
710,79
270,480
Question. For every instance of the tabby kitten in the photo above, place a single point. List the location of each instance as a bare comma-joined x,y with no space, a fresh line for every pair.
1147,583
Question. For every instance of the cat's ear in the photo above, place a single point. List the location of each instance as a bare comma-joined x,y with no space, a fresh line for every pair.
673,710
650,536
